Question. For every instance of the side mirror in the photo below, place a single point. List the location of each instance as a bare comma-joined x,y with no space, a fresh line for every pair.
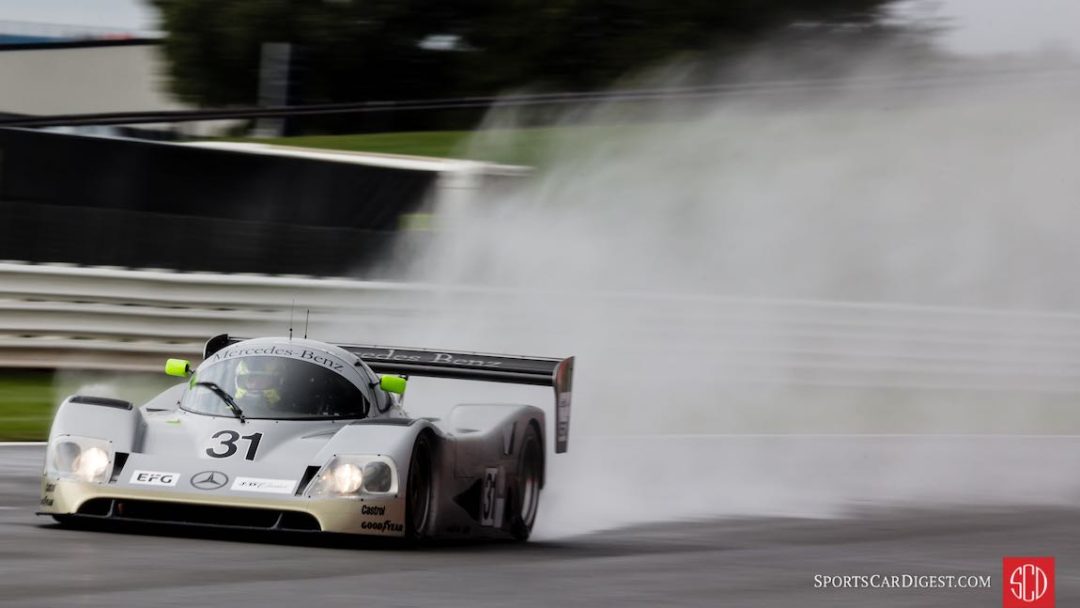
393,384
180,368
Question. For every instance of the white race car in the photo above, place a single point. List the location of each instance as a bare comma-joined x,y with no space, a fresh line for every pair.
284,434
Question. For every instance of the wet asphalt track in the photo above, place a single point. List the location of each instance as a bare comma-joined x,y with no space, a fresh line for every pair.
736,562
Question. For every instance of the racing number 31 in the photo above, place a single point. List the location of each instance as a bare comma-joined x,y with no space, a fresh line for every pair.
229,443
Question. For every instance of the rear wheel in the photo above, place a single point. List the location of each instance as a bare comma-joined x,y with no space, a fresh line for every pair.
530,474
418,490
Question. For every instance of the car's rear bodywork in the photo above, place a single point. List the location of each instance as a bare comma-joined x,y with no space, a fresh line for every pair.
168,464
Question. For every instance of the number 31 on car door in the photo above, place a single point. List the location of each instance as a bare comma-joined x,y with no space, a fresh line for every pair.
492,501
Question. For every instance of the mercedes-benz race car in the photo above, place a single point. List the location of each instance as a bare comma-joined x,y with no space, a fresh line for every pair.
286,434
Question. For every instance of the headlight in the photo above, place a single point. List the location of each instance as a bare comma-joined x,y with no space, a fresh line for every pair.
378,477
355,477
81,458
346,478
91,464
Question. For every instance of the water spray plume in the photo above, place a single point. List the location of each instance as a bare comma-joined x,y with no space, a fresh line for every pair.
712,268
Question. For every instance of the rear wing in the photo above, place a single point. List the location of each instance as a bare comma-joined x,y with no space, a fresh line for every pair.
460,365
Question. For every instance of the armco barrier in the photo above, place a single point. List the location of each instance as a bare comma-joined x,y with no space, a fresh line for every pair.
108,318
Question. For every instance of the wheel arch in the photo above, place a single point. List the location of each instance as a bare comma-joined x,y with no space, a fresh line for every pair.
539,426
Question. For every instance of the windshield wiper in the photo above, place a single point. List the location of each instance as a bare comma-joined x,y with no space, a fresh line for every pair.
226,397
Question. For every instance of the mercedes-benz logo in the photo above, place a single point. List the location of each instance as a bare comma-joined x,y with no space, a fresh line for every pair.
209,480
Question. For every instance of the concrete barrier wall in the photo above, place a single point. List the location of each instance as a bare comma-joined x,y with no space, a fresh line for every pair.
104,201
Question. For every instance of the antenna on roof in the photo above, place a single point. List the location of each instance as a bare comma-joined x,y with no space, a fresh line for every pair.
307,318
291,309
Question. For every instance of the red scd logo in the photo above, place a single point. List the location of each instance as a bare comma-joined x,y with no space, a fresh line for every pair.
1027,582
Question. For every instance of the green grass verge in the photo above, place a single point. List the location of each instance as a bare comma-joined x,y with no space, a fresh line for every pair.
531,146
28,399
27,402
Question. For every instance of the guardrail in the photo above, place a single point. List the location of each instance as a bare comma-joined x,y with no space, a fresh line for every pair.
110,318
119,319
948,79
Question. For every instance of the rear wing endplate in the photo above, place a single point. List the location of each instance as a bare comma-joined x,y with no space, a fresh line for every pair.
460,365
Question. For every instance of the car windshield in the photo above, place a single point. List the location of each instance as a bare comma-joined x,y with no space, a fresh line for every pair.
275,387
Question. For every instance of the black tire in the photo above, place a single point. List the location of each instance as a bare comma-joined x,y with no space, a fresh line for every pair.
419,496
529,482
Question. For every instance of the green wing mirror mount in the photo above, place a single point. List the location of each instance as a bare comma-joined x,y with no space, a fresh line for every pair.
181,368
393,384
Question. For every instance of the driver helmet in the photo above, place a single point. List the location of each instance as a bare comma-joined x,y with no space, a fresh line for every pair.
260,379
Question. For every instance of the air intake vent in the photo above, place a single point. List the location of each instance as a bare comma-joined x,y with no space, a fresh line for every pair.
309,474
119,460
102,401
199,515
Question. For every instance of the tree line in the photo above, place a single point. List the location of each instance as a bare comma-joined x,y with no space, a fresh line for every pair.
357,50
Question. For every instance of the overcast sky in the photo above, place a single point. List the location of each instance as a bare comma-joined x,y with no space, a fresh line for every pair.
979,26
1002,26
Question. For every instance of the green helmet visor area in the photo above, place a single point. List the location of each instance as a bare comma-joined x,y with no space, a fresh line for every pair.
276,387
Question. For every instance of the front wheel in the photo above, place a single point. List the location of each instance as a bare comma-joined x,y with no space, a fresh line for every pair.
530,474
418,490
